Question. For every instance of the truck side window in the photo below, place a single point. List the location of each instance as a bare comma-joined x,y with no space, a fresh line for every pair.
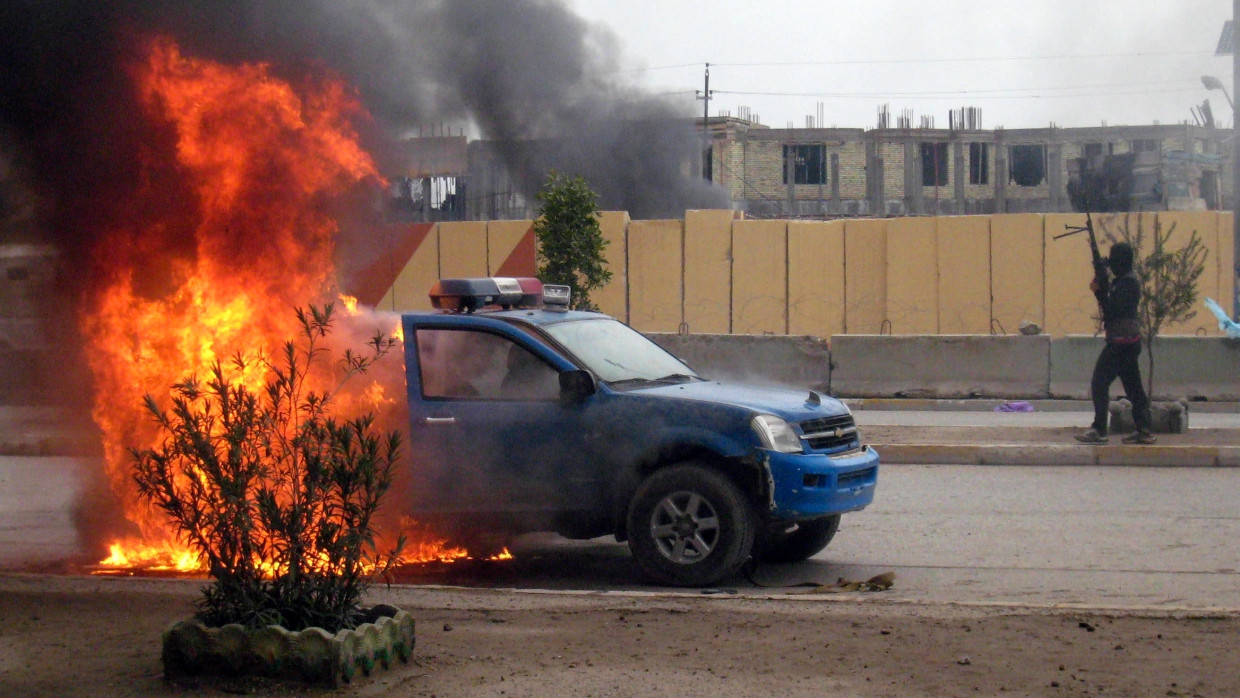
528,377
469,364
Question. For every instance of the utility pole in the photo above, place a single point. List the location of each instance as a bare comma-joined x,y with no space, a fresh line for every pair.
704,95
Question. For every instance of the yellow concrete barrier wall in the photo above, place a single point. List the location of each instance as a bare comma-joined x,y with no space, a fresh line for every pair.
655,292
463,249
708,271
504,241
420,271
964,257
815,278
715,273
912,276
1017,271
1181,225
1070,306
759,277
613,297
865,276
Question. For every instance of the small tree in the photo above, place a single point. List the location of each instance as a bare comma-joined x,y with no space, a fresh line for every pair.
276,496
1168,278
570,241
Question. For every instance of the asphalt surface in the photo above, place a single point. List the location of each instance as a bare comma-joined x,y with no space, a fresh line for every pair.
968,432
1075,531
972,432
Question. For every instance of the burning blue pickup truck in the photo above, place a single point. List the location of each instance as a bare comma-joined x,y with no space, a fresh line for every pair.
530,417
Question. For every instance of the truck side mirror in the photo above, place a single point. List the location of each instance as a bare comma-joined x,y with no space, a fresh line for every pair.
576,385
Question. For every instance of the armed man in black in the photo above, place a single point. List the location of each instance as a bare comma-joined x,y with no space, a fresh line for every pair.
1118,301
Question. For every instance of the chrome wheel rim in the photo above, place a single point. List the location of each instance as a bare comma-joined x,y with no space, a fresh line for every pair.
685,527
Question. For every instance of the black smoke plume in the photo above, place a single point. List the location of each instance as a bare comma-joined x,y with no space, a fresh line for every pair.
517,73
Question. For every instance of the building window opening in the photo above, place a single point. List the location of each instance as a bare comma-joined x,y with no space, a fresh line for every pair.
979,163
933,164
1028,165
1145,145
708,164
808,163
1097,150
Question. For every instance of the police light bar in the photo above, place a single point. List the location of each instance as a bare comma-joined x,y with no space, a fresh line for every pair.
468,295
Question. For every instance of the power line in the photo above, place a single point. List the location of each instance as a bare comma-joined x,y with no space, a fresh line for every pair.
904,61
1094,91
1108,85
897,61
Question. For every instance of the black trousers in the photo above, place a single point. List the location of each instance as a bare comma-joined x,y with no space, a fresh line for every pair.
1119,361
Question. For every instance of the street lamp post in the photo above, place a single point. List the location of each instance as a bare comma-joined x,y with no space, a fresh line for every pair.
1212,83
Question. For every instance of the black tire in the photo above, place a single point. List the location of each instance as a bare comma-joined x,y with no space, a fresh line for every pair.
800,542
690,526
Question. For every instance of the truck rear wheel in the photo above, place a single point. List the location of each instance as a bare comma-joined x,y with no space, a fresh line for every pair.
689,525
799,542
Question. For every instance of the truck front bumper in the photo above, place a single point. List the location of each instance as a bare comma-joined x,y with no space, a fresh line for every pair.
808,486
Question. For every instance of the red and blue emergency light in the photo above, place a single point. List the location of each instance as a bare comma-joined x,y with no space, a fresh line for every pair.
468,295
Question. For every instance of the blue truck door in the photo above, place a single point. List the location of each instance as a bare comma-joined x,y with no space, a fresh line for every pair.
488,431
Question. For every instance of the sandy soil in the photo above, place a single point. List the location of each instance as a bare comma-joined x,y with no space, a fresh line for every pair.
82,636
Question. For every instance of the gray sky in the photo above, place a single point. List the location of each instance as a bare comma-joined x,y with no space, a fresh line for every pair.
1025,63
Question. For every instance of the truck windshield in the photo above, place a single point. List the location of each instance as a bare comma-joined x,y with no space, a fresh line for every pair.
615,352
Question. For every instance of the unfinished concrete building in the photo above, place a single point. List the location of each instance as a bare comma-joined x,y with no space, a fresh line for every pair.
886,171
833,172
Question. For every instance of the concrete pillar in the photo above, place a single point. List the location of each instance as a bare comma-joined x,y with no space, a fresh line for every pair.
835,177
913,194
1056,189
790,171
1000,174
962,175
426,198
874,178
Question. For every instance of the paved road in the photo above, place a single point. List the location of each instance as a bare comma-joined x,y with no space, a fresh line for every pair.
39,499
979,418
1124,537
1049,535
1042,536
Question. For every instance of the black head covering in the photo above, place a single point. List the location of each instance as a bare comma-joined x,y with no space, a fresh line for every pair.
1121,258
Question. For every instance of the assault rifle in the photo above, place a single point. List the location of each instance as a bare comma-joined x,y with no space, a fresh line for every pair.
1101,277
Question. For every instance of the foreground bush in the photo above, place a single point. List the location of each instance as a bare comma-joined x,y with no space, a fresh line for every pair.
275,495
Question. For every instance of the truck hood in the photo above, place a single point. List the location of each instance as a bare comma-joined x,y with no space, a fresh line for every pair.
791,405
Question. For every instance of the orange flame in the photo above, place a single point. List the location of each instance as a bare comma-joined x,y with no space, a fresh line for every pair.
258,156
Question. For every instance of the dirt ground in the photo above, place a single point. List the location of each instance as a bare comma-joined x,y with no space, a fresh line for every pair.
83,636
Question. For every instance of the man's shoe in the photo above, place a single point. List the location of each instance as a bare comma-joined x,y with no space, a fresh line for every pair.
1139,437
1092,437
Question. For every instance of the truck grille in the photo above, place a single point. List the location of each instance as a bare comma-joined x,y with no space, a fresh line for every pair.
829,432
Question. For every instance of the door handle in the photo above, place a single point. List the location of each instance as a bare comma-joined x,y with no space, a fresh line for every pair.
441,420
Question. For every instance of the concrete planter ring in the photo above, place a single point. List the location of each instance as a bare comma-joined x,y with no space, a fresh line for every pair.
312,655
1169,417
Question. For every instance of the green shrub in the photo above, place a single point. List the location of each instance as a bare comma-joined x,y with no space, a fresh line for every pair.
275,494
570,241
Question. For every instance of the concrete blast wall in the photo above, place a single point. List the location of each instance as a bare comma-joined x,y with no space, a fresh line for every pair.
961,366
712,272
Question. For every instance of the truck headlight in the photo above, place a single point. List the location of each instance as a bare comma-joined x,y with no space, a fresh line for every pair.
775,434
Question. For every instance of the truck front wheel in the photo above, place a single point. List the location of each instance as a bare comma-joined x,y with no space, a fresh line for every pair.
689,525
800,541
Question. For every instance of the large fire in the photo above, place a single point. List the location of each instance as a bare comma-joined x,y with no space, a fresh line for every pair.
198,280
